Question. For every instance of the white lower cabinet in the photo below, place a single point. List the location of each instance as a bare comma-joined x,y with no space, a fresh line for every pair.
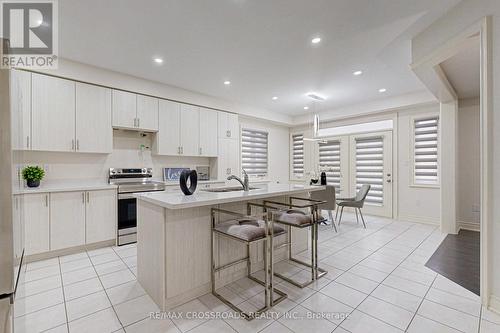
60,220
100,216
36,222
67,220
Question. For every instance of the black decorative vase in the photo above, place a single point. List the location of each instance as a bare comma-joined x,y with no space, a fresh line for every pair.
32,183
192,176
323,178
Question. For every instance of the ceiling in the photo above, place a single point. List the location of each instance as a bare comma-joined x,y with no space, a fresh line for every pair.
263,47
463,69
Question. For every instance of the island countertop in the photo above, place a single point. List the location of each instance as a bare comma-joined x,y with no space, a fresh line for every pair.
177,200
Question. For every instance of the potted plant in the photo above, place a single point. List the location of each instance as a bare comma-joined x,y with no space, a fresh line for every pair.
33,175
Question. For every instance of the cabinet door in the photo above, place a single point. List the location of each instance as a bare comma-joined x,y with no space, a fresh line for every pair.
233,126
124,109
36,223
208,132
94,133
228,125
228,160
67,220
100,216
190,130
53,113
168,137
18,229
147,113
20,95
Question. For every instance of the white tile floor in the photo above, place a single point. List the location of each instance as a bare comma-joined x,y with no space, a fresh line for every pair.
377,282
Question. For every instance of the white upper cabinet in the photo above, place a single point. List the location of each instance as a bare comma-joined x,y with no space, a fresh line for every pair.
100,216
228,125
190,130
20,95
53,113
124,109
134,111
94,133
228,162
208,133
67,220
147,113
167,140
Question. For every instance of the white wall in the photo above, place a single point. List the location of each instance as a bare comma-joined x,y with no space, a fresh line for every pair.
455,21
278,154
468,166
420,204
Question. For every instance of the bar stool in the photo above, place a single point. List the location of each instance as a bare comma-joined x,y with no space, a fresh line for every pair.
249,230
295,218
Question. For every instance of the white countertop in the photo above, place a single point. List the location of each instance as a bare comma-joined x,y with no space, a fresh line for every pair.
177,200
67,186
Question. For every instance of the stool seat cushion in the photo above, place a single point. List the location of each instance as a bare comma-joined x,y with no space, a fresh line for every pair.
294,217
246,229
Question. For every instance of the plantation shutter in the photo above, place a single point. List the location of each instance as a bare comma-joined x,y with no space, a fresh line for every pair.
370,168
426,150
329,159
298,155
254,144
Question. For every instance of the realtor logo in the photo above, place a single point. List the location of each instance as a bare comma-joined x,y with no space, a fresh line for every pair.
30,33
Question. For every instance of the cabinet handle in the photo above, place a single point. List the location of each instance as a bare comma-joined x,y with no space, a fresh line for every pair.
228,134
77,144
46,200
138,122
200,151
88,197
28,142
182,150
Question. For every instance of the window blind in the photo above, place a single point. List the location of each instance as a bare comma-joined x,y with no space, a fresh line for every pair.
370,168
425,157
329,159
298,155
254,152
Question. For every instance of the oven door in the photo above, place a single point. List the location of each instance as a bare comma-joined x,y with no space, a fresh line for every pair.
127,219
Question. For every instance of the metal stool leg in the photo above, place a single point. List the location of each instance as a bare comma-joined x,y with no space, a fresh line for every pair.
330,215
362,218
341,212
357,218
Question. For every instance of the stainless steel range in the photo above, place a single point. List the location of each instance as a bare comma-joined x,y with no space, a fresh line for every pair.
131,181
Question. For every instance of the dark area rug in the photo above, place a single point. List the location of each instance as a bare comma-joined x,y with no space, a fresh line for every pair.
457,258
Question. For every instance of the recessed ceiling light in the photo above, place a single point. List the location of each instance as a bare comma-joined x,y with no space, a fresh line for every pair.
357,73
158,60
227,83
382,90
275,98
306,108
316,40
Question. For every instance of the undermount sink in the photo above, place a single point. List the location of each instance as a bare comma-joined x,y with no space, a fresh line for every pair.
227,189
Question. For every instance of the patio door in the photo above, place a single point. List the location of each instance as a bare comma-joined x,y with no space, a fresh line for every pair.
371,163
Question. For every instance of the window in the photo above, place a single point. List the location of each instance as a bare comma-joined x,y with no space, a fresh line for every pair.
254,152
425,151
329,160
370,168
297,156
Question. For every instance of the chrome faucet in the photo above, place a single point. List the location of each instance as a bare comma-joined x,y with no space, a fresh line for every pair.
243,182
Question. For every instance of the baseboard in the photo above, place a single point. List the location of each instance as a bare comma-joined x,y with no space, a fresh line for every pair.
494,304
468,226
68,251
420,219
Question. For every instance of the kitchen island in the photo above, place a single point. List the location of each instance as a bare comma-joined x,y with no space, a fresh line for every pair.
174,240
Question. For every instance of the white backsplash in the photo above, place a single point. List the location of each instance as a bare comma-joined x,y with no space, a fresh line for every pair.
127,153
